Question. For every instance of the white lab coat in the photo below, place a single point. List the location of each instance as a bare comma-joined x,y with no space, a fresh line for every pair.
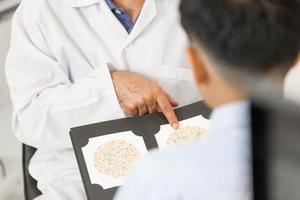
58,69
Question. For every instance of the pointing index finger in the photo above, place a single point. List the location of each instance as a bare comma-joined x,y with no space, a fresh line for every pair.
167,110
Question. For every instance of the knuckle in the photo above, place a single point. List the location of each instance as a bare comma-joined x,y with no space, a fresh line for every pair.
158,98
148,99
130,107
165,107
139,102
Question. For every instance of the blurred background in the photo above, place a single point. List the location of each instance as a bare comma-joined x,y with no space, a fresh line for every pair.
11,183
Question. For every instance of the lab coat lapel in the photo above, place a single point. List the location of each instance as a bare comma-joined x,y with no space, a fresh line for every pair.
111,20
82,3
147,15
107,26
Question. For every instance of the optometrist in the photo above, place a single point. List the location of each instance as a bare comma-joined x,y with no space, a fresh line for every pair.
77,62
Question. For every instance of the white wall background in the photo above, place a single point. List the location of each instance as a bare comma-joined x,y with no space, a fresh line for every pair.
11,187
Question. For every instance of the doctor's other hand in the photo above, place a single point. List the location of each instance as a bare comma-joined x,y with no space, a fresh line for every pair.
139,95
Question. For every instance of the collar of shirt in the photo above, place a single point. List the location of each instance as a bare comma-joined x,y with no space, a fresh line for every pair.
231,115
121,15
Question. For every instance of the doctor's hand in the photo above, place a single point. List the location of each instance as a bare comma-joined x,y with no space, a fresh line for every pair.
139,95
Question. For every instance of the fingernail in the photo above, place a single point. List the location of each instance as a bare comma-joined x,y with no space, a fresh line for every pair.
175,125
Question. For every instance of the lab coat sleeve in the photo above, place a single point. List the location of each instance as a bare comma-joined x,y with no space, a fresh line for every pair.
46,103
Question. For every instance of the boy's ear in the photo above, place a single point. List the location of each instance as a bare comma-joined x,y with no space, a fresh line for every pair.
196,61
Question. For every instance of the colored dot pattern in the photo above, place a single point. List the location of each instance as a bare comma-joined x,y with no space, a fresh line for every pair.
186,134
115,158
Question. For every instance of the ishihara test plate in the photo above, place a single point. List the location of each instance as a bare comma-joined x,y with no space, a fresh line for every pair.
190,130
109,158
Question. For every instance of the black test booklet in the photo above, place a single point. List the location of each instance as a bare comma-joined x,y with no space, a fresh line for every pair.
98,147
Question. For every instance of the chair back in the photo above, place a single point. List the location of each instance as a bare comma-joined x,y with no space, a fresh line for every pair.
30,185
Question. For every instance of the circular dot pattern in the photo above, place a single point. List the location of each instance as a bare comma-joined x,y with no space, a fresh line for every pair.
115,158
186,134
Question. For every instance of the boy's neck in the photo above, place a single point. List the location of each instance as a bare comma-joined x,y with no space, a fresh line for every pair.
230,95
232,99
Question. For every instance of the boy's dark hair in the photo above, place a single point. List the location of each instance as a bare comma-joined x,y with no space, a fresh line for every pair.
246,34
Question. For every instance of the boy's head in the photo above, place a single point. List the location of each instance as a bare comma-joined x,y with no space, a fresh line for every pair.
234,41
